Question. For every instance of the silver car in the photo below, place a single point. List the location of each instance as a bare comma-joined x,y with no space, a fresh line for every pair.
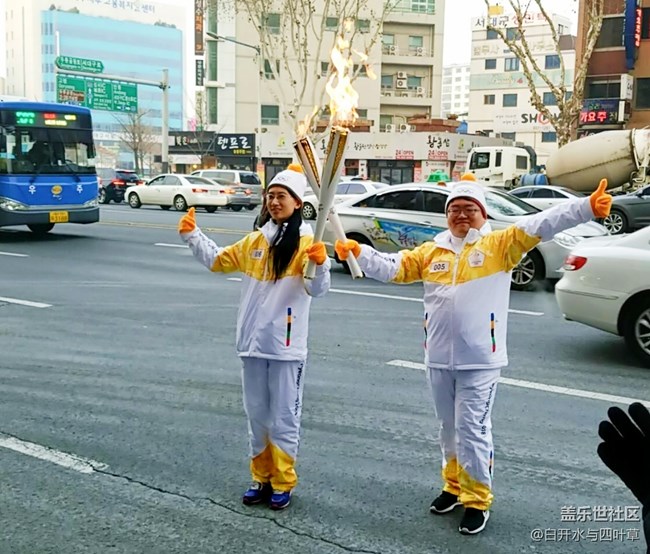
405,216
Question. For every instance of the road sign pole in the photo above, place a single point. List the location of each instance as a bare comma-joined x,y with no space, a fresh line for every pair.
164,85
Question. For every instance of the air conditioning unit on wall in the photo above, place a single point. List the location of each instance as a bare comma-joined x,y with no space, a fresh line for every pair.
390,128
404,128
392,49
419,51
401,75
400,83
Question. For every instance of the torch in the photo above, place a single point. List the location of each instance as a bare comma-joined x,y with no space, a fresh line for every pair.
311,165
343,103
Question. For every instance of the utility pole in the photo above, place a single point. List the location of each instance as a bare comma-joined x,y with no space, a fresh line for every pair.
164,85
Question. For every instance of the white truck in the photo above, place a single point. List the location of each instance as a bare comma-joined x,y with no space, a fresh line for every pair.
622,157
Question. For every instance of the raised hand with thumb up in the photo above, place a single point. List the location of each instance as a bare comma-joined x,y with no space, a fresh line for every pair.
187,224
600,200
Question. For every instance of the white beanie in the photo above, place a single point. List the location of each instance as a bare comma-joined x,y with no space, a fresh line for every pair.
468,188
292,179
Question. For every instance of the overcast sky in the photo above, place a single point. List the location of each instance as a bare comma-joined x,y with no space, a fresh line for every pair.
458,15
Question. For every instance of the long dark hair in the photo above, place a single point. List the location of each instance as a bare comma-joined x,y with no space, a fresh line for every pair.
285,244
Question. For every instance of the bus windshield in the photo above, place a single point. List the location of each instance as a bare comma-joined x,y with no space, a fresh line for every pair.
46,151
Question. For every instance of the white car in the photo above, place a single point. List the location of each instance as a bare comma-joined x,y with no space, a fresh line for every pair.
544,196
180,191
345,190
405,216
606,285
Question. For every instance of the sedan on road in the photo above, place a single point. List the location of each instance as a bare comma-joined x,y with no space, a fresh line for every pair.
405,216
344,191
605,285
180,191
629,212
544,196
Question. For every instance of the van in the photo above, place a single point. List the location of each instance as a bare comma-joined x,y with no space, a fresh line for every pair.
246,179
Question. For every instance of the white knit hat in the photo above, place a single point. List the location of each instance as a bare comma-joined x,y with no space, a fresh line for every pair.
468,188
292,179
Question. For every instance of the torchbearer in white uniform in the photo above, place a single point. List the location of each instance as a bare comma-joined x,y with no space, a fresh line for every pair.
466,275
272,327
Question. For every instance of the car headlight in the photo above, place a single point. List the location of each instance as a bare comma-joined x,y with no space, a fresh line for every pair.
91,203
12,205
566,240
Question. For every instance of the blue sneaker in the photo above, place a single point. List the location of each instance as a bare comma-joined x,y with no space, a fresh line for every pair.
256,493
280,500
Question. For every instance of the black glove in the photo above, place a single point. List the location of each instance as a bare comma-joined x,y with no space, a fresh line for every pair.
626,448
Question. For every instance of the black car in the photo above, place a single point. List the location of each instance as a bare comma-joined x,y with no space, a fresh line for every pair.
113,183
629,212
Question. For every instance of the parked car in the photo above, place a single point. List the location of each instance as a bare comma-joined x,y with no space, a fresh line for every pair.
114,182
248,181
344,191
629,212
544,196
180,191
596,292
405,216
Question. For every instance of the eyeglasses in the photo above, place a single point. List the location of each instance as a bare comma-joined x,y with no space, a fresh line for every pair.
468,211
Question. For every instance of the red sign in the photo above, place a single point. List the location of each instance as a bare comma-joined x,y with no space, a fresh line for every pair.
404,155
637,27
440,155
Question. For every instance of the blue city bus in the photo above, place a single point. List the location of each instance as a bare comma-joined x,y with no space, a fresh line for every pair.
47,165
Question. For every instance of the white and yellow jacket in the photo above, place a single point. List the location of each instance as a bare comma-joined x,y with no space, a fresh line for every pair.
273,318
466,295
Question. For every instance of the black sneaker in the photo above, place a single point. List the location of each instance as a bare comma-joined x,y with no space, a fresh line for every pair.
444,504
473,521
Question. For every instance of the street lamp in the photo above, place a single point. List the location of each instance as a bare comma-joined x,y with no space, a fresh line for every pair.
258,51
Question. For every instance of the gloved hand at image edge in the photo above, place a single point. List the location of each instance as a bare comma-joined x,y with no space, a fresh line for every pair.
343,249
187,224
317,253
600,200
626,448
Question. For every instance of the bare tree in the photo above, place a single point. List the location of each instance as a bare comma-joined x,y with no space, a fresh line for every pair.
293,40
139,137
201,143
568,106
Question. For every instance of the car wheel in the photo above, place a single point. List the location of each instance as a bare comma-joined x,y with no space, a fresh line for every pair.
308,211
211,209
118,200
616,222
251,207
103,199
361,240
636,329
164,207
527,271
41,228
180,205
236,208
134,200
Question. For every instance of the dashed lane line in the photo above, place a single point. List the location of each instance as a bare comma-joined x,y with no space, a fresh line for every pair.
14,254
220,230
24,302
541,387
167,245
70,461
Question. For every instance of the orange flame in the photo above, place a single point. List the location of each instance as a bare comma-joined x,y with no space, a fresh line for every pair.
343,98
304,126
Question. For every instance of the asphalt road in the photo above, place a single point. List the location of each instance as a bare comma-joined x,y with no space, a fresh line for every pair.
121,355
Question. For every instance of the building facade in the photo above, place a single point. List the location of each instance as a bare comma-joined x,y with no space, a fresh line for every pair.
455,90
499,102
405,55
132,39
617,86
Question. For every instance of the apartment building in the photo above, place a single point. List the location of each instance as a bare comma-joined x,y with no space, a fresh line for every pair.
455,90
405,55
617,87
499,103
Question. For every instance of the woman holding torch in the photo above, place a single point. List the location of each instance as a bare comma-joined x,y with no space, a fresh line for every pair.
272,327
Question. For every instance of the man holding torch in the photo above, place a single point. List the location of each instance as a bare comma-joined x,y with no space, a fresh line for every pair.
466,275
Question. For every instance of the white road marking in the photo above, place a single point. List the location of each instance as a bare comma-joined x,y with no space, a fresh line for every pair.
542,387
234,278
171,245
24,302
76,463
15,254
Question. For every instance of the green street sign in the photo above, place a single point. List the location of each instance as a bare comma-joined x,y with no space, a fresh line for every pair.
79,64
97,94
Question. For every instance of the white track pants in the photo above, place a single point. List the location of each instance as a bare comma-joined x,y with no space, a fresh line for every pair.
273,403
463,400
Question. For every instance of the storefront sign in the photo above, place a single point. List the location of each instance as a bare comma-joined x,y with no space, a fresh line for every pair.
198,27
198,72
532,122
599,111
234,145
516,79
631,31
